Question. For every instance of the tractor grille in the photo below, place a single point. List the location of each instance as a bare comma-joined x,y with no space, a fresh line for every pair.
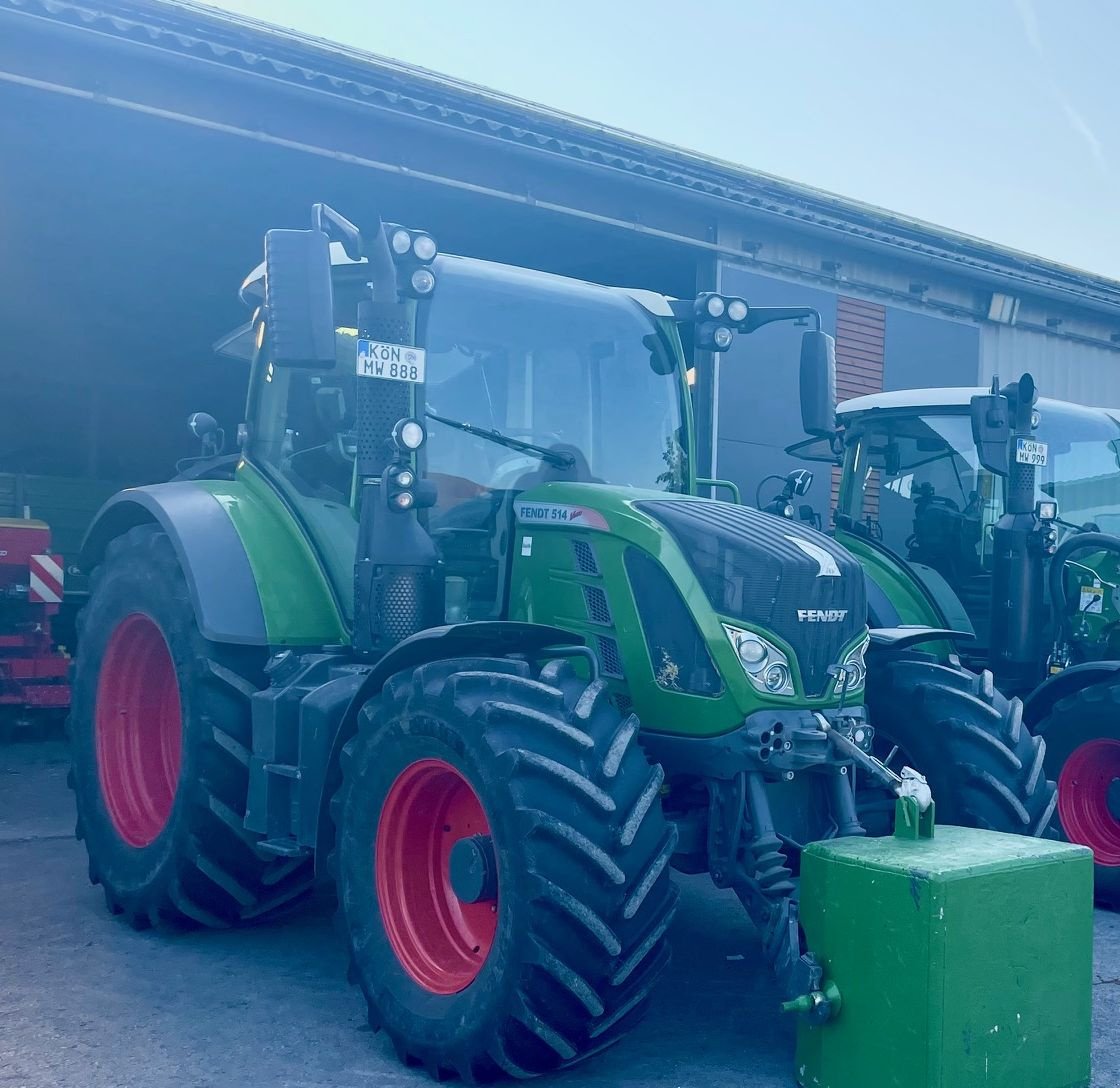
752,570
677,650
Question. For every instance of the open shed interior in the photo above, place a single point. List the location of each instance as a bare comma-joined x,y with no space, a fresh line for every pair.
125,239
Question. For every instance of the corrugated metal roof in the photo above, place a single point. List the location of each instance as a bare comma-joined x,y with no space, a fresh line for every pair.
187,28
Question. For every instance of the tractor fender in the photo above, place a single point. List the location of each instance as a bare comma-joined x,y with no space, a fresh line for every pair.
1037,705
210,553
252,574
489,638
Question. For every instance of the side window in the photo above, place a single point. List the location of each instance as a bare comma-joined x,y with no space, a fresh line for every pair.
304,426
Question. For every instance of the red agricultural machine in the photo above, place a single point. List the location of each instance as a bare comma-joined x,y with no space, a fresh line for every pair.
32,670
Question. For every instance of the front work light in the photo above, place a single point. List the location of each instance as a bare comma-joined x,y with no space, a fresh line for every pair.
401,242
423,282
737,310
715,306
408,434
424,247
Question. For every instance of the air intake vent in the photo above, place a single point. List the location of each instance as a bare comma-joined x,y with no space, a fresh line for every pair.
609,659
597,607
585,557
677,650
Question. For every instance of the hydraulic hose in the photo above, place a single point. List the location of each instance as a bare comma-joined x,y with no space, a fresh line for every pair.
1082,542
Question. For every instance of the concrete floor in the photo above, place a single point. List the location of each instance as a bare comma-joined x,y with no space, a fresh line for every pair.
87,1003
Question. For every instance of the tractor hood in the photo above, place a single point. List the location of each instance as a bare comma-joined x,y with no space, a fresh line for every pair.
664,587
771,574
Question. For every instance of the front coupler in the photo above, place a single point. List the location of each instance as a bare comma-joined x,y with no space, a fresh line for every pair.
745,850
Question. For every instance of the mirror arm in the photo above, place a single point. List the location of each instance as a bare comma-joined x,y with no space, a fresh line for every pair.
338,229
765,315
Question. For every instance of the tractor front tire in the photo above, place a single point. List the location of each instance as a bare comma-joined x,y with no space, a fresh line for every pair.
1082,735
502,865
160,735
984,767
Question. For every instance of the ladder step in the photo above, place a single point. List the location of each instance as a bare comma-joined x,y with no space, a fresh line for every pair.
287,770
283,848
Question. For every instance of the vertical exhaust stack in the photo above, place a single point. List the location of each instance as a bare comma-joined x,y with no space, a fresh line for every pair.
1003,424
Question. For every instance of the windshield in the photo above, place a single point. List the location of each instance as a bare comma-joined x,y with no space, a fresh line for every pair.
570,367
915,482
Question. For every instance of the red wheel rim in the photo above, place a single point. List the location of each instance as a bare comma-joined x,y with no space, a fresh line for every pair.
1083,789
139,728
441,942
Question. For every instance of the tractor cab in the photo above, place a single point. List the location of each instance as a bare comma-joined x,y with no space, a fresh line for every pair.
529,379
913,481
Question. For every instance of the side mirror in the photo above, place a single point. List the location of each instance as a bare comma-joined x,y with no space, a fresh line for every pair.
299,299
991,431
818,383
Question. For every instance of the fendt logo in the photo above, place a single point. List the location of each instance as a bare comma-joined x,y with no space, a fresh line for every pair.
821,615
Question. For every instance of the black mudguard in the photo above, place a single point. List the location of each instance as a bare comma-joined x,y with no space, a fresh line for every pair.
211,555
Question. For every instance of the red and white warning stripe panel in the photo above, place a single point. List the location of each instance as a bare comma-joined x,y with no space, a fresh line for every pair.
46,579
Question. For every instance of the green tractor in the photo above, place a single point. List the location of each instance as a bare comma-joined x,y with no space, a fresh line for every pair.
402,639
996,513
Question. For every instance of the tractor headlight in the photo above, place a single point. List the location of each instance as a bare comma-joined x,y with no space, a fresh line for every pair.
715,306
766,666
855,669
737,310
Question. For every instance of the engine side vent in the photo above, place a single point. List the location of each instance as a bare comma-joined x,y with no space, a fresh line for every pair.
609,658
586,562
597,607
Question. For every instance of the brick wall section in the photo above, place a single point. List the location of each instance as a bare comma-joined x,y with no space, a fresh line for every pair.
860,340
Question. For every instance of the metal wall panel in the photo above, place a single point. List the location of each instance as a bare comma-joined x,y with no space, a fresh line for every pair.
1063,369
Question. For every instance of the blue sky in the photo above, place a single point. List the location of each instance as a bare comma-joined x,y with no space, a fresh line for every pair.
1000,118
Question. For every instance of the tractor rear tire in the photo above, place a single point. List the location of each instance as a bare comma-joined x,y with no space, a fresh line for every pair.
984,766
1082,735
160,735
550,952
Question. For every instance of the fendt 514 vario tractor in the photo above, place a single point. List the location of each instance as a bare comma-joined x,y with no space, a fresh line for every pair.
996,513
403,640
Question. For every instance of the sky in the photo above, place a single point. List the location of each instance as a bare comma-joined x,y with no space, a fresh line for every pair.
998,118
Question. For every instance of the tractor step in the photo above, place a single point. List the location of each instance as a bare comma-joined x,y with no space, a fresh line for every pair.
283,848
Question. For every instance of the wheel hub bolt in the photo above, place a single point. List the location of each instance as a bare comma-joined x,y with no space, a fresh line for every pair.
474,869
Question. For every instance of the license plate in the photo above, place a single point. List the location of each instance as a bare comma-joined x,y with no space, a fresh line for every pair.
1029,452
391,362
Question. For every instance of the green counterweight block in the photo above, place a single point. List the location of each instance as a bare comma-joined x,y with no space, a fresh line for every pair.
963,957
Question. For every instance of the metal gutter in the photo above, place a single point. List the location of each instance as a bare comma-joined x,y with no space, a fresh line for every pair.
207,34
